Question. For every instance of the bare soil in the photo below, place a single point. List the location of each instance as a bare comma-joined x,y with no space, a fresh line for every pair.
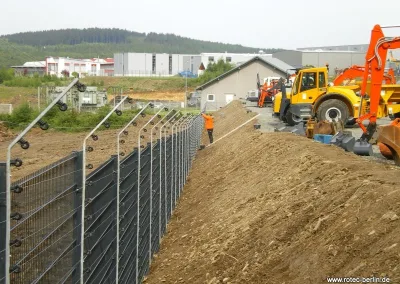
280,208
168,96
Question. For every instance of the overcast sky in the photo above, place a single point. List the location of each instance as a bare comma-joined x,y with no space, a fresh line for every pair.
255,23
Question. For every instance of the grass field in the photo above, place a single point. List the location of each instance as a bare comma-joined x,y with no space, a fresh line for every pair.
149,88
142,84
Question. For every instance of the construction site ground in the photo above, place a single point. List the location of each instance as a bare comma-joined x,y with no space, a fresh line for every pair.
263,207
269,122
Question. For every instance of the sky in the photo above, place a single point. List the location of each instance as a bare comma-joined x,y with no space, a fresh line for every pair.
288,24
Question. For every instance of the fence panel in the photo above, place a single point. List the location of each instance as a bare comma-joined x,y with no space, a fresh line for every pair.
144,213
163,188
100,224
3,220
168,176
156,197
46,212
128,217
41,236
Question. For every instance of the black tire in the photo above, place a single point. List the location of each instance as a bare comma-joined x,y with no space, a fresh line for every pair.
292,119
396,115
333,109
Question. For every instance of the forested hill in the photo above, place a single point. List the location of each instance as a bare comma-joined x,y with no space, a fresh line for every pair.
86,43
73,36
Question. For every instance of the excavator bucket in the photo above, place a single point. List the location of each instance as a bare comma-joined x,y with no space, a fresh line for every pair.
389,141
362,148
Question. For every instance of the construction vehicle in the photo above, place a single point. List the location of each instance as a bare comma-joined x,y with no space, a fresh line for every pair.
378,101
311,96
266,92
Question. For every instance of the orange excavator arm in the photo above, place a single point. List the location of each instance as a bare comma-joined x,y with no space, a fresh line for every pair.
375,66
358,71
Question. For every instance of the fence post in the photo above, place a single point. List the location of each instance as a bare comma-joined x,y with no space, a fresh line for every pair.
77,217
3,225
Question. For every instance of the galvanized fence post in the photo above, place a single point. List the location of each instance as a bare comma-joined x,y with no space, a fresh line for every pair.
138,191
3,221
83,199
77,217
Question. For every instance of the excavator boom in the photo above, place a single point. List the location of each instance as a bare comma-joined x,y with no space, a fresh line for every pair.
358,71
374,67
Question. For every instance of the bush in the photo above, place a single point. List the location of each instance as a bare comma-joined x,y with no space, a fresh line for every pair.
6,74
34,81
69,121
20,117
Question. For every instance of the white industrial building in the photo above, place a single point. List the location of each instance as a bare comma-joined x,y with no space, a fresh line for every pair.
84,67
152,64
63,66
337,59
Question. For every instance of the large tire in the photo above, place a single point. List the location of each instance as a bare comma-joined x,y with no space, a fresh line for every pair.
333,109
292,119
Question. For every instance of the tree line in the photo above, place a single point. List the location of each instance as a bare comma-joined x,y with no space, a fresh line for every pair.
72,36
17,49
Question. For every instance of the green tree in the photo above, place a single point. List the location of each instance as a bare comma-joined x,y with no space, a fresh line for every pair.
6,74
214,70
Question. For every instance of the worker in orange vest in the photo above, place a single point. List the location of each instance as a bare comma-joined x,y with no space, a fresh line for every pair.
209,124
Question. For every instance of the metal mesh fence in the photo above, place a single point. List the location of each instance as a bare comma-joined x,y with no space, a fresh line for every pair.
42,227
45,236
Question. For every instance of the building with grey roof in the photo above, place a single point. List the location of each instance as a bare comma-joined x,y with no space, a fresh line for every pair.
237,82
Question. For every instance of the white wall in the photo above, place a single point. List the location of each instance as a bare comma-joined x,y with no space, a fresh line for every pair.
162,63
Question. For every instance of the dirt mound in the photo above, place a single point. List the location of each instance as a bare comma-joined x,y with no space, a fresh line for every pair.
227,119
279,208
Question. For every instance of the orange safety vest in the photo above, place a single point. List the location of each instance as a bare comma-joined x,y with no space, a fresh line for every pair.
209,121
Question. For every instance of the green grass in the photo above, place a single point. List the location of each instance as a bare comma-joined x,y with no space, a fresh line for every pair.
142,84
73,121
8,93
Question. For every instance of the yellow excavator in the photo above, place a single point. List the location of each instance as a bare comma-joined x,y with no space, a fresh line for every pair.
312,97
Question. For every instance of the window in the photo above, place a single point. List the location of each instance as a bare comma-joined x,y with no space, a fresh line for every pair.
211,58
309,81
321,80
153,64
229,59
170,65
296,85
210,98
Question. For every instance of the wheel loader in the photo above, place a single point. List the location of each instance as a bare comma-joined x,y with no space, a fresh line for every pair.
311,96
